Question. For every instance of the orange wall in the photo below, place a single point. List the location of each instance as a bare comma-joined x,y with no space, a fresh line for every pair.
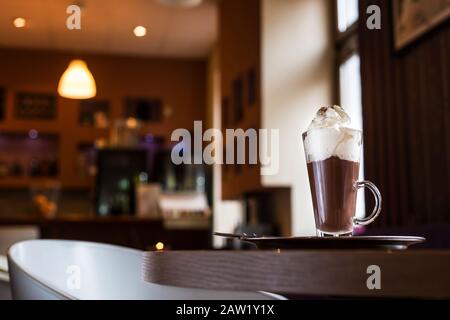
181,85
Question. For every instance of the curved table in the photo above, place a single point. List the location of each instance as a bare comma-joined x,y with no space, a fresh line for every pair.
319,273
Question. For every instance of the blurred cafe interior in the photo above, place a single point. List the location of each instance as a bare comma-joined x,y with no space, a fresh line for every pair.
87,116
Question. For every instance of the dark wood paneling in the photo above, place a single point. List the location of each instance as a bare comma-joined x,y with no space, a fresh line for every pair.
406,111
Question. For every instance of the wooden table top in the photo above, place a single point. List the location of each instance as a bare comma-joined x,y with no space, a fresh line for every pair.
345,273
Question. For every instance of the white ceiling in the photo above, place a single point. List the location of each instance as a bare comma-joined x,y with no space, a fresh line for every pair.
107,27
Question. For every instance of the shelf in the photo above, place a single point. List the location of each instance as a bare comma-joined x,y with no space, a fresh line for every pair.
21,126
23,182
87,134
26,182
78,183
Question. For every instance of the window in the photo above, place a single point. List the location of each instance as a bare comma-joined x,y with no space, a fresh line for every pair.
349,73
350,98
347,13
350,89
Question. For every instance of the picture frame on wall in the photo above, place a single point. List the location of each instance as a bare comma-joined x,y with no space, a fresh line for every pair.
35,106
238,102
2,102
414,18
251,86
225,112
95,113
144,109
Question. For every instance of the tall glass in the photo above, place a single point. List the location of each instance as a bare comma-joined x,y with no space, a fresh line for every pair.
333,159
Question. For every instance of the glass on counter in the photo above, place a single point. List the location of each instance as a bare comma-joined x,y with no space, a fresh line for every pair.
125,133
45,197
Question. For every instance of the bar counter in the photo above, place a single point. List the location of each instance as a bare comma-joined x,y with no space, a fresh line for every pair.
129,231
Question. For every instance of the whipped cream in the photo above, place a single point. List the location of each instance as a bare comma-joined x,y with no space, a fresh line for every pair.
329,135
331,116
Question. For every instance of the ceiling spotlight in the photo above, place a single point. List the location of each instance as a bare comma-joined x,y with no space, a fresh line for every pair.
181,3
19,22
140,31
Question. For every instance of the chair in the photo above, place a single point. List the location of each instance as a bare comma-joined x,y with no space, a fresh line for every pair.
15,233
63,270
5,290
8,236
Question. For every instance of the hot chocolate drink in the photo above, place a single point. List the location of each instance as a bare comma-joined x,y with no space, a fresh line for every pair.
334,198
332,152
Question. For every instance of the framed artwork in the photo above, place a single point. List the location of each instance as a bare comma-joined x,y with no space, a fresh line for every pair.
94,113
251,86
238,102
35,106
413,18
2,102
144,109
225,112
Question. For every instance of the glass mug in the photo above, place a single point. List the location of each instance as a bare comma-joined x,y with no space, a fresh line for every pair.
334,182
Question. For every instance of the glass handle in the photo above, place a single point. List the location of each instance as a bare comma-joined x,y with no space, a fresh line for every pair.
377,208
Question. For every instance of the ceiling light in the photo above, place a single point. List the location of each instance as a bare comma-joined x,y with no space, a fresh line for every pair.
77,81
181,3
19,22
140,31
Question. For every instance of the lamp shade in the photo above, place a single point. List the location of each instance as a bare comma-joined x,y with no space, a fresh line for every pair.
77,81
